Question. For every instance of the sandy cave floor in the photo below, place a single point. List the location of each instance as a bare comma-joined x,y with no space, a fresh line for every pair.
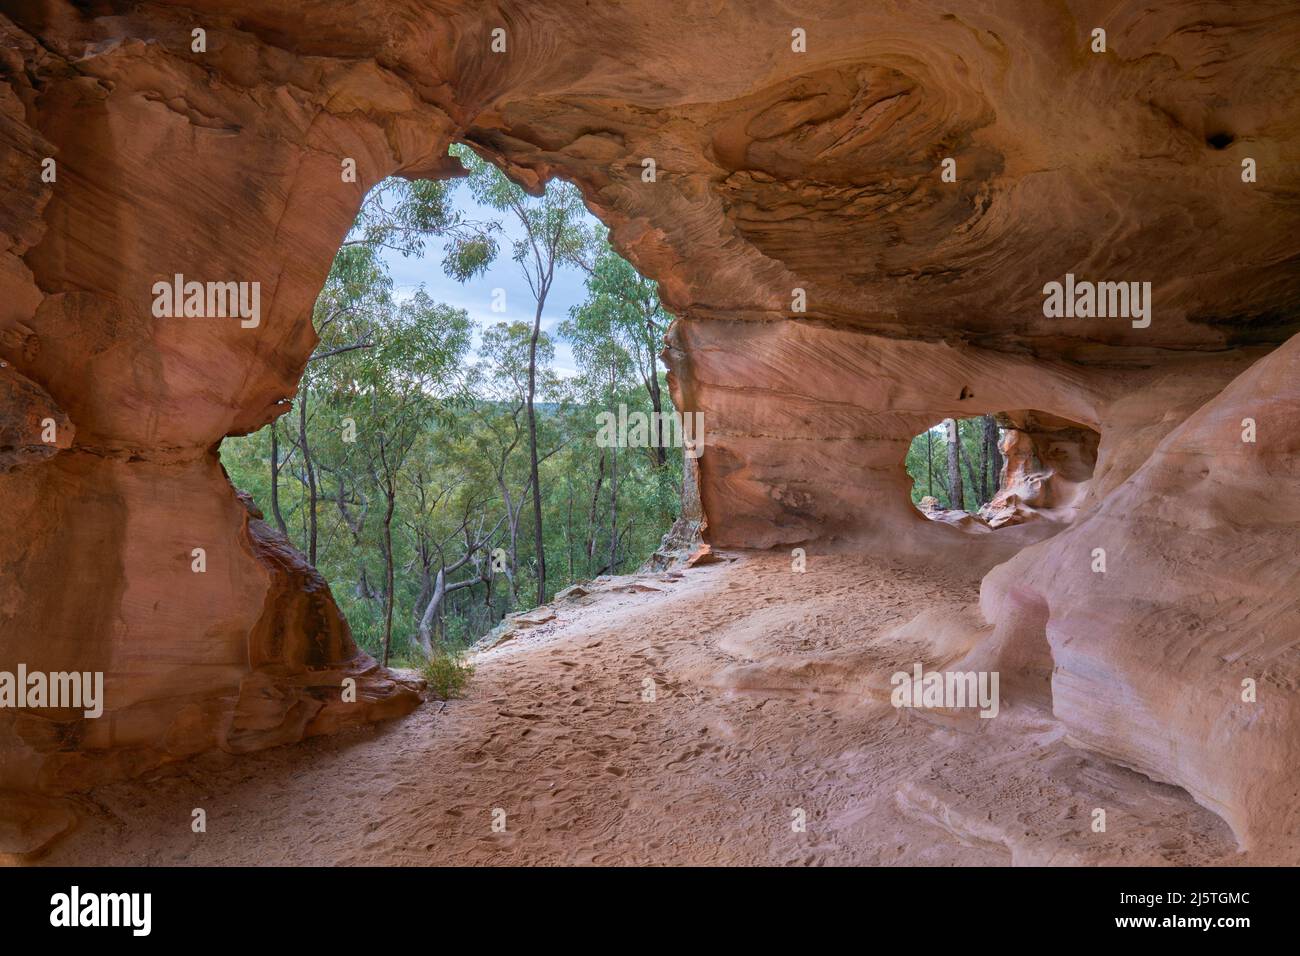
771,695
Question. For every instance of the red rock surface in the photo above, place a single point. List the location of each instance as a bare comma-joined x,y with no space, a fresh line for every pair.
1047,463
776,171
1199,595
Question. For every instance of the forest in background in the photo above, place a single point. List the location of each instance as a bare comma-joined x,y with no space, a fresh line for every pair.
957,462
440,479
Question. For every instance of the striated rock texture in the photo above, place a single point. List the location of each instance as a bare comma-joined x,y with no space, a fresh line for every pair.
218,169
1047,463
835,296
1201,594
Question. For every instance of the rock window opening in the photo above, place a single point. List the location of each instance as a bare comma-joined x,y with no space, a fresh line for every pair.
1002,469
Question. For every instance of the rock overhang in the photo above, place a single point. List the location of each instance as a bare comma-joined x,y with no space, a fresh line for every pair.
776,172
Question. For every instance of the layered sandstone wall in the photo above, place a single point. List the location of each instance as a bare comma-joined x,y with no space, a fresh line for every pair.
835,296
1047,464
1180,658
220,168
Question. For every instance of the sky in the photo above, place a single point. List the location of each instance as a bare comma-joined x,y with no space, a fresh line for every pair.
475,296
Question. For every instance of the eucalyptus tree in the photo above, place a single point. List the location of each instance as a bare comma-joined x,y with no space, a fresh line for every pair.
622,310
353,303
398,215
509,363
952,438
606,365
552,233
407,379
405,215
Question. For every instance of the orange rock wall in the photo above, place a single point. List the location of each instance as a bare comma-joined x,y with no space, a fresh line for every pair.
778,172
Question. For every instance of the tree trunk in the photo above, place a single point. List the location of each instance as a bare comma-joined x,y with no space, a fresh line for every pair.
956,495
994,455
929,463
311,476
657,406
436,608
364,590
538,544
426,619
275,480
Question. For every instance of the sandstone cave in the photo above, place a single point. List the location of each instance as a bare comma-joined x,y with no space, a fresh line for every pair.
1003,469
833,249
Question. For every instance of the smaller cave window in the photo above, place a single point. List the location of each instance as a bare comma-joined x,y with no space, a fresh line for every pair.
969,444
1000,469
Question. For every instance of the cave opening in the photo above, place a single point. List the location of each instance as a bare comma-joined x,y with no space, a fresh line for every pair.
855,230
1000,469
470,337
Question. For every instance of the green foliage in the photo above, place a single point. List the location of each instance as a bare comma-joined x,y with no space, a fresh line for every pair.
402,215
552,228
407,447
927,464
469,256
446,672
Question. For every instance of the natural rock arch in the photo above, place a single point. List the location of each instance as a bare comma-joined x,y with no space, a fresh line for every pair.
776,171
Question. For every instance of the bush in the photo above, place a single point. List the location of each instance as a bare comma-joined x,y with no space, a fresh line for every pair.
446,672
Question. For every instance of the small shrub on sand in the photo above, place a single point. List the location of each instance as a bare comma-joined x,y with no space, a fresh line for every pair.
446,672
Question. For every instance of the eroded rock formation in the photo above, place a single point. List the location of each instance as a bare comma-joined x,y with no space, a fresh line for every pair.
782,178
1047,463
